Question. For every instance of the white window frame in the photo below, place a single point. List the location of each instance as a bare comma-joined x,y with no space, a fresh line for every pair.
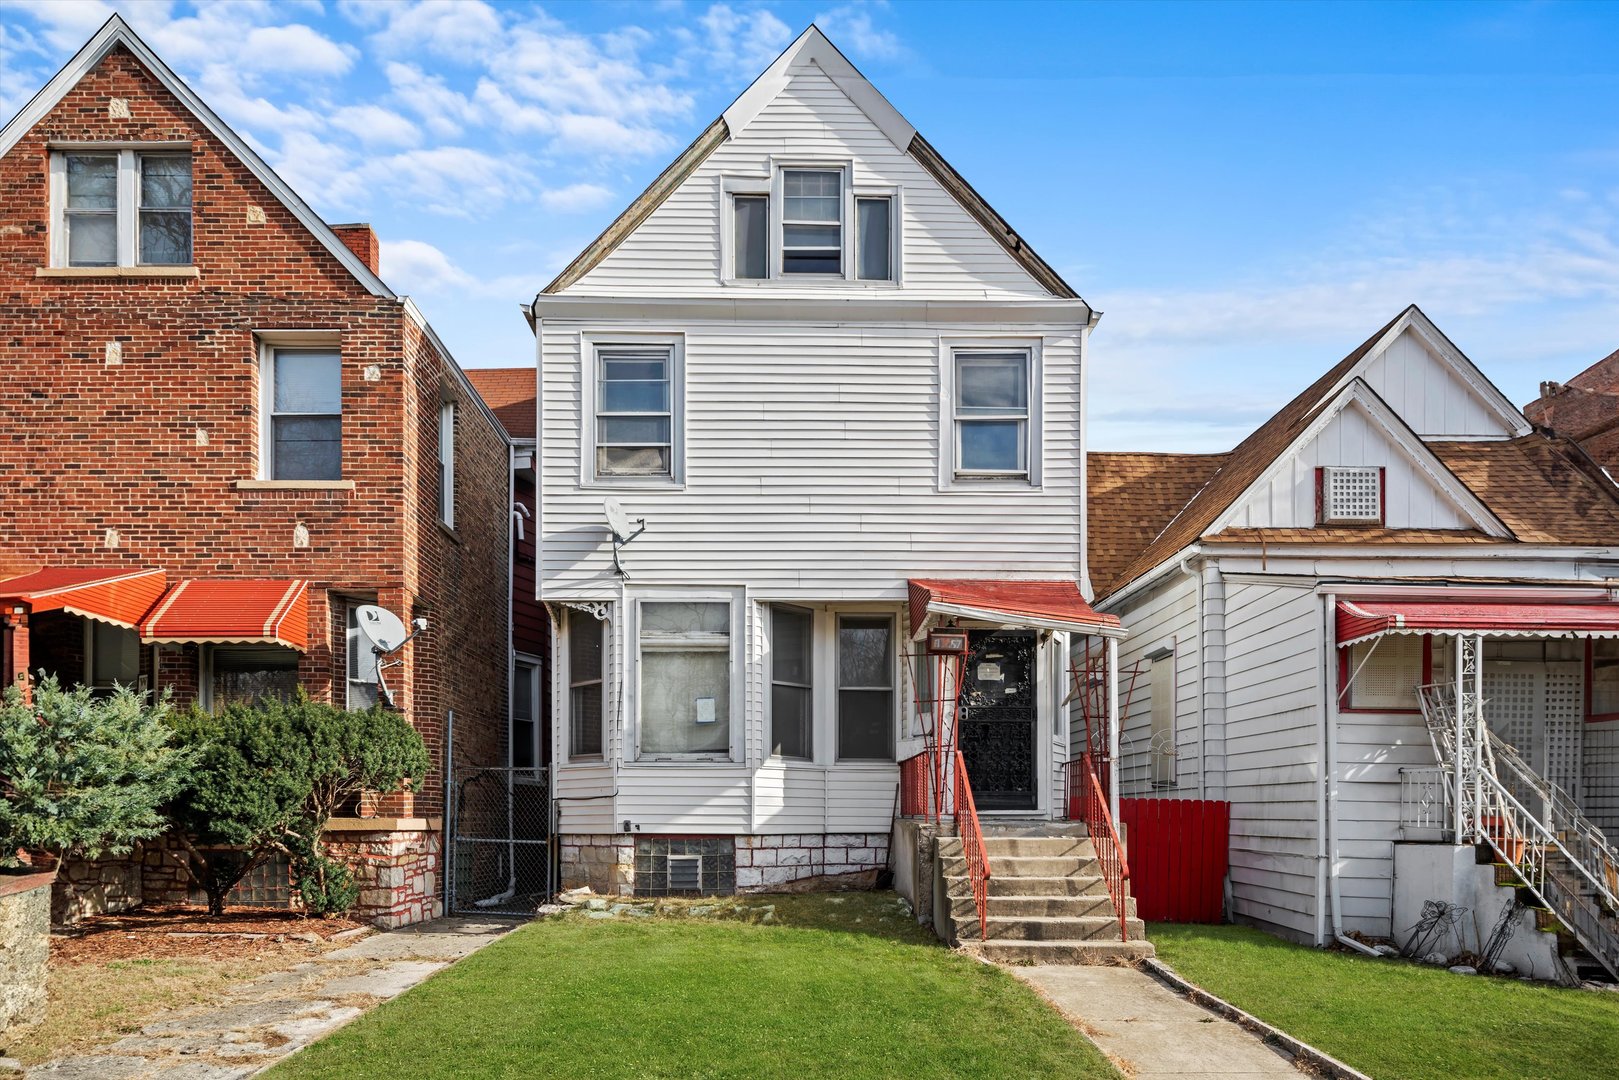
1163,741
854,188
127,212
565,680
354,645
735,650
270,342
814,686
446,462
590,346
526,668
895,684
949,445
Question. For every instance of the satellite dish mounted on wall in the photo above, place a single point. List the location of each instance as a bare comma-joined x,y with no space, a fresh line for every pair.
386,634
618,523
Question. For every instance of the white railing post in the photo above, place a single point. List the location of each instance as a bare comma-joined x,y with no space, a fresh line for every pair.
1481,734
1458,778
1113,725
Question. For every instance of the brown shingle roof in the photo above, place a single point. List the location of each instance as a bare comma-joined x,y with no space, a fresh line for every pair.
509,392
1131,498
1544,488
1350,534
1241,468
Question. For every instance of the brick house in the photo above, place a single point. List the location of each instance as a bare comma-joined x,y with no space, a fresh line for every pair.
221,433
1584,409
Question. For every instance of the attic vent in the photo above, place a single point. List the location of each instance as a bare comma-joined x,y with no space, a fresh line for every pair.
1351,494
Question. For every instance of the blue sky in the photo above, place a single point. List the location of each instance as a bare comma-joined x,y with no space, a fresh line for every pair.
1246,190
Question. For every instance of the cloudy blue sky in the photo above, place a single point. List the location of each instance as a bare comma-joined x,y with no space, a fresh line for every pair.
1247,191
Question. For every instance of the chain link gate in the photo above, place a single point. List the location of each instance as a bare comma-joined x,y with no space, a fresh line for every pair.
500,858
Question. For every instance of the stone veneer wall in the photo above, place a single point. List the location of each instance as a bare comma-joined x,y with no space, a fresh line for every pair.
606,863
94,887
25,937
396,863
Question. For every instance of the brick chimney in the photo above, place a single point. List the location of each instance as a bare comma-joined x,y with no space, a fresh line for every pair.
359,238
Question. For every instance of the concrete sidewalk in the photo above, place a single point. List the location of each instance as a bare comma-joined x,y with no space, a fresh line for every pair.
1158,1034
261,1022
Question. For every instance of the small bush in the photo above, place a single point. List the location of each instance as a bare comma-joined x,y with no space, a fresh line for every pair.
326,885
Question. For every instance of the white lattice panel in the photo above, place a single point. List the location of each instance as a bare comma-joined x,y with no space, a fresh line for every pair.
1512,702
1565,726
1352,494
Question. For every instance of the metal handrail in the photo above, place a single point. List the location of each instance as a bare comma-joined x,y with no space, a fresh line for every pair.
1088,802
972,845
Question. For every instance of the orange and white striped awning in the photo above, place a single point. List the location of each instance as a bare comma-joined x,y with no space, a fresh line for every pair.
262,611
116,595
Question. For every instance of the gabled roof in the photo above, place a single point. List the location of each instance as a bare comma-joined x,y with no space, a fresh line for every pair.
510,394
812,46
115,33
1543,487
1256,454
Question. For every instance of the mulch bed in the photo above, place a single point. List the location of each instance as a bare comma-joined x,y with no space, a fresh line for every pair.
180,932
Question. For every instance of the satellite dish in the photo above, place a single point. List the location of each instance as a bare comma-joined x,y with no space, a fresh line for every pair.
617,519
381,627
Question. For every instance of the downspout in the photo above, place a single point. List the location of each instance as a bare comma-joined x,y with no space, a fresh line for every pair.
1325,651
1202,688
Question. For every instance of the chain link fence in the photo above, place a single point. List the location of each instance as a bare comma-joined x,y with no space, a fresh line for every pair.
501,857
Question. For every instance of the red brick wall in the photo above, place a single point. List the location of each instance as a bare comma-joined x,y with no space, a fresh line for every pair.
1585,410
152,446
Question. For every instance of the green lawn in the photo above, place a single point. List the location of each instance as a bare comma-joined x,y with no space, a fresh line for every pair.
1397,1020
833,986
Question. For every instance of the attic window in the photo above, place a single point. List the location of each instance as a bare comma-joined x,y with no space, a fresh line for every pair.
812,221
120,208
1350,495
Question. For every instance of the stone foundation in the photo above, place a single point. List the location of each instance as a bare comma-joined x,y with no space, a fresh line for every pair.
25,936
396,862
605,863
96,887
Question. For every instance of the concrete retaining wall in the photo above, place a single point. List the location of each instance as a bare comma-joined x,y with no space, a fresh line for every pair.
25,941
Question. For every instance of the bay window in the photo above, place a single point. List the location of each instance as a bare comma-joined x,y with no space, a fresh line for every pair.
684,659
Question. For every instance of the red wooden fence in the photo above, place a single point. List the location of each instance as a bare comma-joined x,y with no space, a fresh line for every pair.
1178,851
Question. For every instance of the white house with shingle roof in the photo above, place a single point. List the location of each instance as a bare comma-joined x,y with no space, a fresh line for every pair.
1400,524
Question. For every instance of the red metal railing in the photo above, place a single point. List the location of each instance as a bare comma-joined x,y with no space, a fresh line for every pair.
1088,802
914,786
972,845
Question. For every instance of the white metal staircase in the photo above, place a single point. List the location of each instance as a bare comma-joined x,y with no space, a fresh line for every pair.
1531,824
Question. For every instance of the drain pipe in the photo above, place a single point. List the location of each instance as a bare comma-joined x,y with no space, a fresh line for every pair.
1329,725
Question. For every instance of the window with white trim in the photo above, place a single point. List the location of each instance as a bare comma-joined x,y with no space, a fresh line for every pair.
635,416
792,694
303,409
121,208
991,423
1352,494
585,651
361,664
866,699
1161,688
446,463
525,733
874,237
750,236
812,221
684,664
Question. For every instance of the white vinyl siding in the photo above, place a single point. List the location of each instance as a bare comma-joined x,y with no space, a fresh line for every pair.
1427,395
944,251
1165,613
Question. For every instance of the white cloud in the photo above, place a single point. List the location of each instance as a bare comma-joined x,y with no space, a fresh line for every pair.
743,42
464,30
375,126
850,28
445,111
417,268
294,50
576,198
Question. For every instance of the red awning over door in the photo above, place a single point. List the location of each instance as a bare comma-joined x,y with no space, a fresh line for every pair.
1361,620
115,595
270,612
1046,605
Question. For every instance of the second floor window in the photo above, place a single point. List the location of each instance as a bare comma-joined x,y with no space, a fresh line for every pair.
446,463
635,419
992,414
812,221
304,413
121,208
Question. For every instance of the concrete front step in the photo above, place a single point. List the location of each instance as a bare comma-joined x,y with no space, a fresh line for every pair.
1025,928
1064,952
1004,847
1077,885
1021,866
1046,907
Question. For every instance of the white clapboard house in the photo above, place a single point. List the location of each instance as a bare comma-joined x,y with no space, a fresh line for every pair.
1398,525
845,399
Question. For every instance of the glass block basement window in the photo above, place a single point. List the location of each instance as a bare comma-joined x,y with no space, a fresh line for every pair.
1352,494
703,866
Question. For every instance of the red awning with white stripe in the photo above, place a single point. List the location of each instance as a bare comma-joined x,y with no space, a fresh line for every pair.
1361,620
120,596
267,612
1044,605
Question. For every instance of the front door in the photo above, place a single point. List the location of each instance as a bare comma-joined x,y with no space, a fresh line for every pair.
996,727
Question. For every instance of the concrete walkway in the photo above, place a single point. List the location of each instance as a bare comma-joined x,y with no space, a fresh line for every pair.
1154,1032
262,1021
